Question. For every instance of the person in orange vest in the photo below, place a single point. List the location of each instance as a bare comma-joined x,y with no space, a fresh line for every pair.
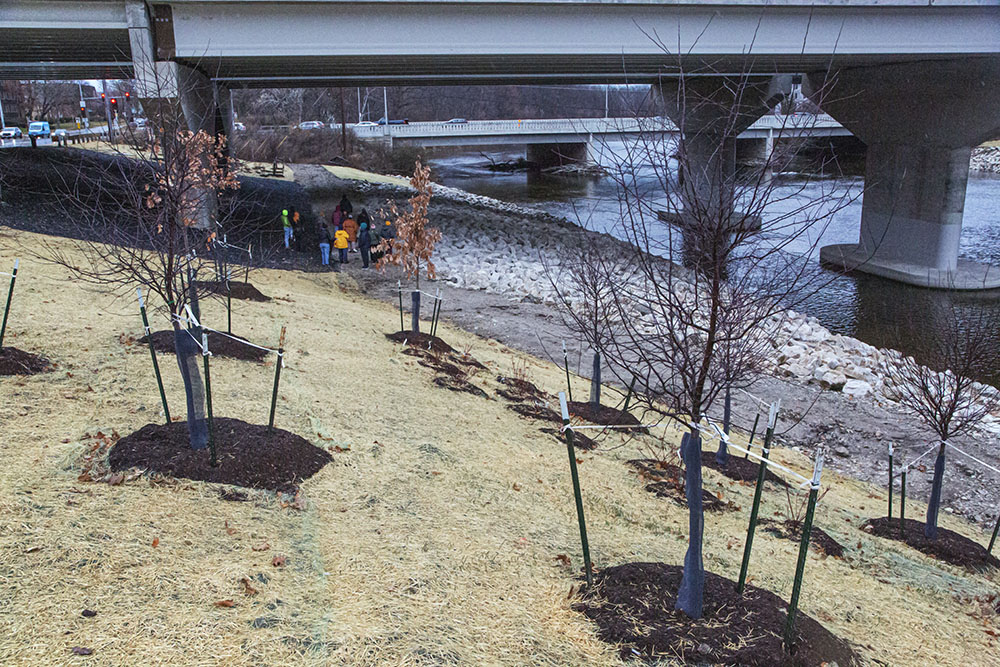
340,243
351,227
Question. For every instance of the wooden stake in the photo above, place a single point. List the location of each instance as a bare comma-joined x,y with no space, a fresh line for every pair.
576,489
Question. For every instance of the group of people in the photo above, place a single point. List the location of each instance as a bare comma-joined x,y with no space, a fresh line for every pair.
345,233
342,232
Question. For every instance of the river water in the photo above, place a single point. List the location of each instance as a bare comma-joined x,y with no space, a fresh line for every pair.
881,312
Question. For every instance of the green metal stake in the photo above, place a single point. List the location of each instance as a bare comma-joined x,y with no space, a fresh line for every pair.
10,294
800,567
993,539
152,353
208,400
902,504
753,432
628,396
890,480
399,289
755,508
576,488
277,377
229,301
569,385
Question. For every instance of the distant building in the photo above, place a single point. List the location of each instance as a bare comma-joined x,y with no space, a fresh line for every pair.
11,102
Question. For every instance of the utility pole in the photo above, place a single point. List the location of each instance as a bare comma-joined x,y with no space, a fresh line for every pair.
343,124
385,105
107,107
606,100
359,104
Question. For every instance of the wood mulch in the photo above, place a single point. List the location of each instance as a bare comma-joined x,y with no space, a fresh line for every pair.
819,539
740,469
18,362
605,415
519,390
949,545
247,455
633,607
666,480
580,441
218,345
238,290
536,412
422,340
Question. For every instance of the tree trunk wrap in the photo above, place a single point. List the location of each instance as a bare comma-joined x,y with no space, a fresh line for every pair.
692,590
595,381
930,526
722,455
415,310
194,392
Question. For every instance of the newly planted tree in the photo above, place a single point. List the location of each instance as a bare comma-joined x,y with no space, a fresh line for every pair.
413,245
938,382
710,276
147,218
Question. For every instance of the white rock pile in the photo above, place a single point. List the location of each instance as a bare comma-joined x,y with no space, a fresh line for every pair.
985,158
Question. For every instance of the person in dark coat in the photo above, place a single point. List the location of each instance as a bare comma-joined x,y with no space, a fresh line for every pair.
324,242
345,206
365,238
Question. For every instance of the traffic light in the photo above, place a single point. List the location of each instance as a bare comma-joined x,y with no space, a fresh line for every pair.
114,104
127,95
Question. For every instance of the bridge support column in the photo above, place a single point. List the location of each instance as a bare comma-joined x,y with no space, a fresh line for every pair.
543,156
710,113
920,122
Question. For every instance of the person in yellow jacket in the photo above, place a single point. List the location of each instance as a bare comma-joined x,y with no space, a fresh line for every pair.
340,243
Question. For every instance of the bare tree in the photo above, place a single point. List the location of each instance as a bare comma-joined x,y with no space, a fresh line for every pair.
147,216
718,256
938,381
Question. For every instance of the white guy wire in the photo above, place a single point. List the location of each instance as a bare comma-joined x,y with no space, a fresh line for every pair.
770,463
914,461
966,454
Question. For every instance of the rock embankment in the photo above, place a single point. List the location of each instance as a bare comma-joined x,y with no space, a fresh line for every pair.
523,253
986,158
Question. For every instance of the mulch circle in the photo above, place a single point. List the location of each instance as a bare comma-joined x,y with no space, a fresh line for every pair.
580,441
247,455
605,415
949,545
218,345
740,469
422,340
633,607
519,390
819,539
667,481
536,412
238,290
18,362
458,384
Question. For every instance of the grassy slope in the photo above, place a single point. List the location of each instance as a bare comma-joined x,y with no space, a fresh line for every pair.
431,540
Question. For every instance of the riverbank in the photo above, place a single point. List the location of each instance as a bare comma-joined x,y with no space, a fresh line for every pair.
492,271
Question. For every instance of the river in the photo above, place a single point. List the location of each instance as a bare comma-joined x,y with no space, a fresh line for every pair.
878,311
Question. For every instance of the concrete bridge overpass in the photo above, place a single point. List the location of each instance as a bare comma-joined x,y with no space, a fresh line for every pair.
558,140
914,79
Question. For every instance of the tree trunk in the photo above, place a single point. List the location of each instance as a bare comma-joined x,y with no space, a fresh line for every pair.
930,527
692,590
188,354
595,381
722,456
415,308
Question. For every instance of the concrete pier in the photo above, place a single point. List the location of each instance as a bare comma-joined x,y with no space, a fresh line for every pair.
920,122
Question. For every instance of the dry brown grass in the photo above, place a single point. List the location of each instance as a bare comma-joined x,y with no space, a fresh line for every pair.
431,540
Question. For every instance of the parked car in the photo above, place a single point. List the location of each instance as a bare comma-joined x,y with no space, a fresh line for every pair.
11,133
239,127
456,121
366,123
40,128
312,125
402,121
60,134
